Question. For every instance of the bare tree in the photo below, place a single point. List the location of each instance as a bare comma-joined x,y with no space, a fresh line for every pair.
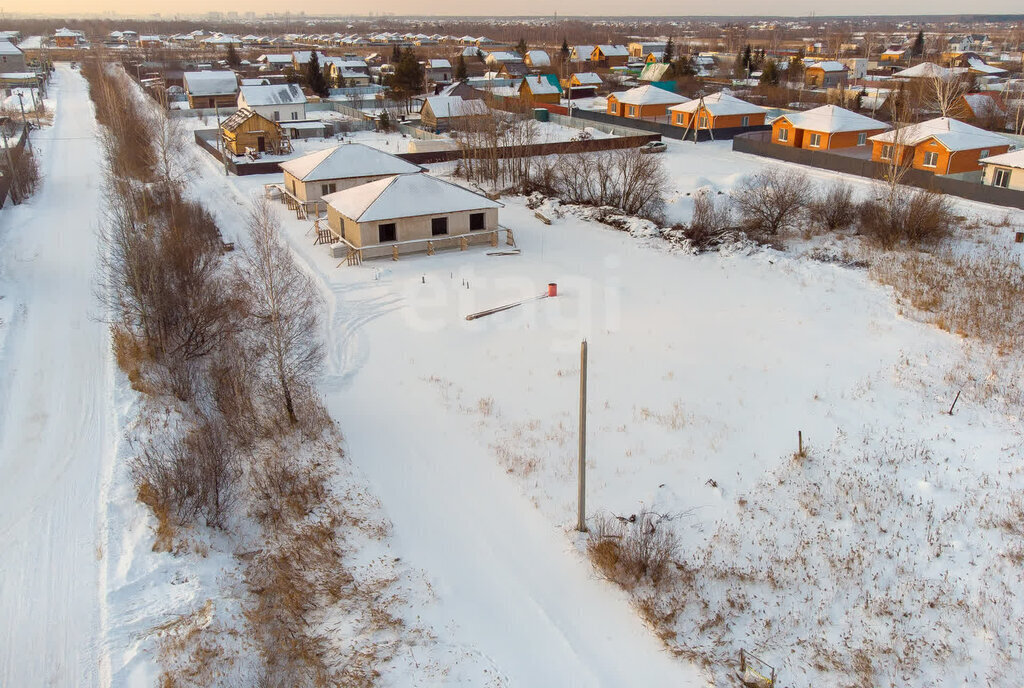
772,200
944,94
284,307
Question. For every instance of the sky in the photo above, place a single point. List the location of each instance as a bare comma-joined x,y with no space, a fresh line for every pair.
463,8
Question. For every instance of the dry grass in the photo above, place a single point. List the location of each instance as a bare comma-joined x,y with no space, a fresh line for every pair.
131,355
634,550
979,296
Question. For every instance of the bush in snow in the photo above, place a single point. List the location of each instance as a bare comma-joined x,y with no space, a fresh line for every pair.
834,207
630,550
710,220
772,200
906,216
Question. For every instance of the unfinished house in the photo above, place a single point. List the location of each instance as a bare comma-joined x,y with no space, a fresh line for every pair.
211,89
311,177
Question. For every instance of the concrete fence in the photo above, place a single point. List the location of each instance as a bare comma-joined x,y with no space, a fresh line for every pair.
760,144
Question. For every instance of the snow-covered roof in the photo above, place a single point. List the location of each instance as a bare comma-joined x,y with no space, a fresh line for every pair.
504,56
538,58
346,161
8,48
829,66
406,195
978,65
654,71
895,51
614,50
588,78
210,83
238,118
279,94
1011,159
831,119
440,63
983,104
649,95
952,134
928,70
583,51
542,85
455,106
719,104
302,56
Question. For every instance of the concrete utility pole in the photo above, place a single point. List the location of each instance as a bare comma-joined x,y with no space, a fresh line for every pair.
581,515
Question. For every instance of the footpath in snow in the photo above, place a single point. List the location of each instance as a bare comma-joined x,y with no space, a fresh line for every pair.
54,367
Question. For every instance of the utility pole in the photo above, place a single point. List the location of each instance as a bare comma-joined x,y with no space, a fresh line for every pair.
581,515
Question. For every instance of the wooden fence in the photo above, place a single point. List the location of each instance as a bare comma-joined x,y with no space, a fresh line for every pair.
16,150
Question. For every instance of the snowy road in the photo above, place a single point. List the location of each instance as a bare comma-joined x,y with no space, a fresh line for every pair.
53,411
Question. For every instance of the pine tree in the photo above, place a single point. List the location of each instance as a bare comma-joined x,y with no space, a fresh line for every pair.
918,49
460,69
315,76
747,56
521,47
396,54
669,50
480,55
565,50
770,73
232,57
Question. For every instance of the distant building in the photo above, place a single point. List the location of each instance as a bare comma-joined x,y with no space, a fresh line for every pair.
827,74
1005,170
246,130
11,58
643,102
283,102
211,89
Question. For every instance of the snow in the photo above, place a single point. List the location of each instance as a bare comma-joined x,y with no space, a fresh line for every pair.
928,70
210,83
55,430
454,106
719,104
344,161
538,58
953,134
284,94
832,119
406,195
541,85
649,95
1011,159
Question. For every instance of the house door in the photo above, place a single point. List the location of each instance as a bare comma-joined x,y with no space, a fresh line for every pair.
261,144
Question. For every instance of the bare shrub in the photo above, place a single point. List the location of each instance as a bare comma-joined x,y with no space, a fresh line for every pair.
631,550
131,355
834,207
771,201
283,308
908,216
710,220
189,478
23,169
624,179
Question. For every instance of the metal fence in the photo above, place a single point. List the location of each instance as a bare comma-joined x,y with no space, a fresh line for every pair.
666,130
760,144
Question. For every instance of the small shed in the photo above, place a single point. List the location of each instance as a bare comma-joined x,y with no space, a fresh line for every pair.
440,113
246,129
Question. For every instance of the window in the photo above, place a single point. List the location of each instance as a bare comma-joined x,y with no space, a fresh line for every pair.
703,121
862,138
783,134
1002,177
745,122
387,232
295,115
679,118
887,152
476,221
815,140
277,115
984,154
931,159
438,225
328,188
632,110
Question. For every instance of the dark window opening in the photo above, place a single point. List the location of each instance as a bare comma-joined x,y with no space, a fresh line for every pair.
387,232
439,225
476,221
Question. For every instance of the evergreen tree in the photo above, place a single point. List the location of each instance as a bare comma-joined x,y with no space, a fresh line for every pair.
747,57
918,49
396,54
770,73
460,69
232,57
565,50
669,50
315,76
407,80
480,55
521,47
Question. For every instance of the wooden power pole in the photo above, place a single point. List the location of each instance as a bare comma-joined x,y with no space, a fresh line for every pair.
581,515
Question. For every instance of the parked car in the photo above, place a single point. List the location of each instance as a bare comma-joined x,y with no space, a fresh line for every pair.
653,147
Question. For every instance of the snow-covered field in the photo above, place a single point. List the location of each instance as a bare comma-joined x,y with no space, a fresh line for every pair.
889,555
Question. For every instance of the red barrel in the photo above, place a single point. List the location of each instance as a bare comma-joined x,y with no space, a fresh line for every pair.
552,289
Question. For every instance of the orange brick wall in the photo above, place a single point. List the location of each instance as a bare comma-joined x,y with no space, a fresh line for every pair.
794,133
722,122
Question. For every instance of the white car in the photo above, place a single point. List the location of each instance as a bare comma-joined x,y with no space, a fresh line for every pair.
653,147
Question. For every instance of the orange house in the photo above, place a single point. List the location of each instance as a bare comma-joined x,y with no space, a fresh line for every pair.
717,111
609,55
66,38
940,146
643,102
825,128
